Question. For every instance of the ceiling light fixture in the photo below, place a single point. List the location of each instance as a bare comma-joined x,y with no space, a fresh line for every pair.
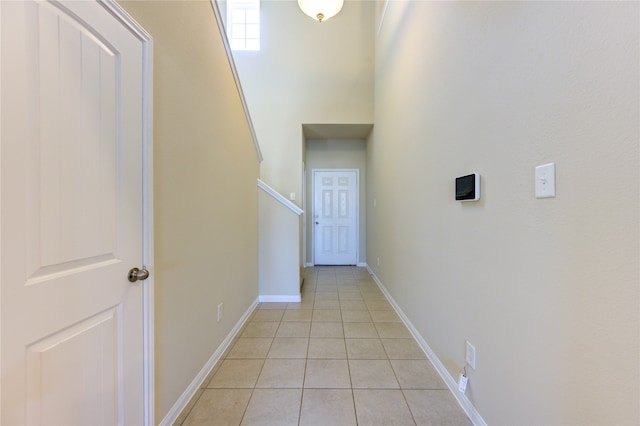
321,10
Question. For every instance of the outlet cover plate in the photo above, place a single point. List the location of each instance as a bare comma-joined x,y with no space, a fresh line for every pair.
546,181
471,355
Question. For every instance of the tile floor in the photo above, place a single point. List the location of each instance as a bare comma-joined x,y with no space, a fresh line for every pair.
342,356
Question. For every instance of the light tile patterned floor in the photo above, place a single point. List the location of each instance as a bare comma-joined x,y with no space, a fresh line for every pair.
342,356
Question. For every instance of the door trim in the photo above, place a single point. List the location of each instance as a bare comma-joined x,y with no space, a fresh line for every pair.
147,203
313,209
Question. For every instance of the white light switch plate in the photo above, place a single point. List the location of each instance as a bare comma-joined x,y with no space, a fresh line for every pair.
546,181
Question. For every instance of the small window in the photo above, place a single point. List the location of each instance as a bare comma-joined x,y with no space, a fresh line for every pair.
243,24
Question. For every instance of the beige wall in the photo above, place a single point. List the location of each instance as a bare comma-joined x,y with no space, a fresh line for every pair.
205,171
305,72
546,289
336,154
279,259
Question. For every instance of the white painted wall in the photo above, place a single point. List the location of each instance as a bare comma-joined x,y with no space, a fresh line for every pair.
546,289
337,154
279,258
305,72
206,202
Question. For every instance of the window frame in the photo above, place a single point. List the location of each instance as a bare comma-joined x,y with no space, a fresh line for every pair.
243,25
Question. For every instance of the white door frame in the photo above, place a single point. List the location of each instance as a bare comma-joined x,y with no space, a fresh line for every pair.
357,209
147,203
304,215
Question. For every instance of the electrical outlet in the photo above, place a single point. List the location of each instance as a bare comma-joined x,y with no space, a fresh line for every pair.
220,311
471,355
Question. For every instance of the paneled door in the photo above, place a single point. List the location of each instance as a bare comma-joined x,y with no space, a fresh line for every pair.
72,215
335,215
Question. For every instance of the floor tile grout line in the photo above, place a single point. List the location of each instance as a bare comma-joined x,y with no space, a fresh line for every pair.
244,413
347,357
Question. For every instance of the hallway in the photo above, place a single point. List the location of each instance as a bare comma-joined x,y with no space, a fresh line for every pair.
340,357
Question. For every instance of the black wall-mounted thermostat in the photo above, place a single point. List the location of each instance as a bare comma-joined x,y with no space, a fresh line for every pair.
468,187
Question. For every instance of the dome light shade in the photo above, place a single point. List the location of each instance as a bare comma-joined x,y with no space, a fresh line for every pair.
321,10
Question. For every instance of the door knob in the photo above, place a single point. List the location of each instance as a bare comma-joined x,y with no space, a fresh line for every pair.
136,274
317,223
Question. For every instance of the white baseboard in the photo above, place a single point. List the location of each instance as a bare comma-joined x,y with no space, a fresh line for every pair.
451,383
360,264
284,298
186,396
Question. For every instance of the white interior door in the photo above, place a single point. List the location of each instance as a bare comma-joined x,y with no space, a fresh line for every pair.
71,223
335,217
